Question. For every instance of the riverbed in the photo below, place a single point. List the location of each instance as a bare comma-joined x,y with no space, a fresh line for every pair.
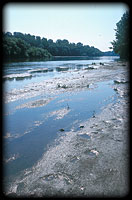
66,126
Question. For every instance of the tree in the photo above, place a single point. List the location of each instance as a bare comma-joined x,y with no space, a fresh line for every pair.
15,47
44,43
19,45
121,44
23,46
38,53
10,47
38,41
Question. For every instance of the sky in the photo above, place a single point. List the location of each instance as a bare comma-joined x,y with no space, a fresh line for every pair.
92,24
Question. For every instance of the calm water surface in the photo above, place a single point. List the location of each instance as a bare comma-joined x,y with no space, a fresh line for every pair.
29,130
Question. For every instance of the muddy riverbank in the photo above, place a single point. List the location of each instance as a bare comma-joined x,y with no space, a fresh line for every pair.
91,161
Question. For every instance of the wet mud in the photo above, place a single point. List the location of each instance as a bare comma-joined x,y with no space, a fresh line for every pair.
91,161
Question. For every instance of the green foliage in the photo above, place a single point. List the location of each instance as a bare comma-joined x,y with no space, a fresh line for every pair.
121,44
19,46
26,46
38,53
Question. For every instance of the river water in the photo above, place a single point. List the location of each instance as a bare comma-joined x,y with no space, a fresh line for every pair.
42,101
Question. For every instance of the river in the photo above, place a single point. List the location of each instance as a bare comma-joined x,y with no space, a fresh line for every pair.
42,102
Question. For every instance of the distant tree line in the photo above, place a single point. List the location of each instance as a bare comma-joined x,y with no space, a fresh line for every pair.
19,45
121,43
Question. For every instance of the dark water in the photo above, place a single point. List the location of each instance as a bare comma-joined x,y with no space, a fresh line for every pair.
30,128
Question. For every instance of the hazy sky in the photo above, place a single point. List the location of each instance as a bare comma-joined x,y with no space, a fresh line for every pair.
89,23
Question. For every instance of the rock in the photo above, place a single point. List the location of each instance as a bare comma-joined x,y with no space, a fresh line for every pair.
61,130
64,86
58,85
81,126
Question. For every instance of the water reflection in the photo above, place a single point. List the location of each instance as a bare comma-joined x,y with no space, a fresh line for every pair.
32,124
43,119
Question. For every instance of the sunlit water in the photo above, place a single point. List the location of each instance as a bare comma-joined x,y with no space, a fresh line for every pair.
32,123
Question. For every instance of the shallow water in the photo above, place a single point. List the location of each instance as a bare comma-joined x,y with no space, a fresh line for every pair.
34,120
17,75
37,124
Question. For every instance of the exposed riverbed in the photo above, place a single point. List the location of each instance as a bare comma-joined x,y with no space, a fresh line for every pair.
66,129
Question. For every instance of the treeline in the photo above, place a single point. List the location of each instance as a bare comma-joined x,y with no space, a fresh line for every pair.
121,44
26,46
23,46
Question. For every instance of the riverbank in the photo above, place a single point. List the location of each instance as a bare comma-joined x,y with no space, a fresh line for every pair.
90,161
84,77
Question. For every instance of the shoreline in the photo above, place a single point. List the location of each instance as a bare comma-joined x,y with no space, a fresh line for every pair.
76,80
53,58
92,161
